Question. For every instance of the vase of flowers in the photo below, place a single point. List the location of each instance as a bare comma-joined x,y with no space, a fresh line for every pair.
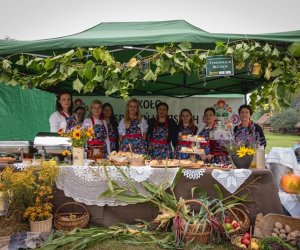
79,136
241,147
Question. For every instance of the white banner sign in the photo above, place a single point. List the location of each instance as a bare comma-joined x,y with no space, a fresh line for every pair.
226,108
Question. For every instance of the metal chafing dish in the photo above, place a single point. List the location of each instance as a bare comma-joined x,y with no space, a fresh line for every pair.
15,148
51,143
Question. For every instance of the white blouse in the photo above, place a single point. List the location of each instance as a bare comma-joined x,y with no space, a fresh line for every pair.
143,125
88,123
57,122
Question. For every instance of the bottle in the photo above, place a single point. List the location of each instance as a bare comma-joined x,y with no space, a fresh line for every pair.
260,158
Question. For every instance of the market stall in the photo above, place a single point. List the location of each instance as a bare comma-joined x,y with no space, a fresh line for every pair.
85,185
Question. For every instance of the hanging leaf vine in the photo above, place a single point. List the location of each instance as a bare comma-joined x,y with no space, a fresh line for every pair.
95,68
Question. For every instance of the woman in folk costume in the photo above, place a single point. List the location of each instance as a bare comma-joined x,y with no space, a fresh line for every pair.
112,124
209,118
100,128
133,129
248,127
63,118
162,132
186,127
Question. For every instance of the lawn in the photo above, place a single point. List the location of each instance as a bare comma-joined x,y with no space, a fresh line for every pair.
280,140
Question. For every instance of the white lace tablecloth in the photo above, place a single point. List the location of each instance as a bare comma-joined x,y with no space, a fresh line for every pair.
193,174
291,202
86,183
231,180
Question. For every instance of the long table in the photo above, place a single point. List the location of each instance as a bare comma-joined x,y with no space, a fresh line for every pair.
264,194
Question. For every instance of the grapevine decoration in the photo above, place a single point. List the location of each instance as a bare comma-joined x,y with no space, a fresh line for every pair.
96,68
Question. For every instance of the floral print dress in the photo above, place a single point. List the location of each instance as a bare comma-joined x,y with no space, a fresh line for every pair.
133,136
216,158
183,130
101,135
159,146
71,121
113,138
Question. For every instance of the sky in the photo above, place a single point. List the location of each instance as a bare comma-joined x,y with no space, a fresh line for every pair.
41,19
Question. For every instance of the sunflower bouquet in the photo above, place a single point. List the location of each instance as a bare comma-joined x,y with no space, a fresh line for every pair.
78,135
241,144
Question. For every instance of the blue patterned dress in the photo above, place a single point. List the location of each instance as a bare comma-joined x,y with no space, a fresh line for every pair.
216,158
113,138
134,137
159,147
101,135
71,121
184,131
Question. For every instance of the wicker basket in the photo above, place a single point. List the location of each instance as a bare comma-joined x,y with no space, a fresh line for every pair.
63,222
236,240
195,232
270,219
239,215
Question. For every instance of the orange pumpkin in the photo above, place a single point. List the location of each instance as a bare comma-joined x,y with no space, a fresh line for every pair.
290,183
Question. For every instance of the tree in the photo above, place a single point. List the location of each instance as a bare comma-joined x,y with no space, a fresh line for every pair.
285,121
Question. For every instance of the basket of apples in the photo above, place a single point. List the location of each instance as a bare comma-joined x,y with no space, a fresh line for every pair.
244,241
236,221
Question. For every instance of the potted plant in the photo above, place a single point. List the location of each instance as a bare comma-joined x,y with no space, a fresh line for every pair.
241,148
79,136
29,193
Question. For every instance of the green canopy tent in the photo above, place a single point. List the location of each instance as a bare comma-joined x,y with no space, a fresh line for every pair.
125,40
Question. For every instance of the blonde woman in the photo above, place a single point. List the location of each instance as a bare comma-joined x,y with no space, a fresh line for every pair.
132,129
100,127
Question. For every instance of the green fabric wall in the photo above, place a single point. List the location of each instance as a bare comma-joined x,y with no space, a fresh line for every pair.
24,112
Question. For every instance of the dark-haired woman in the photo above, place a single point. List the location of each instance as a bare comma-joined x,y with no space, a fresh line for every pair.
63,118
248,127
112,124
161,133
209,118
186,127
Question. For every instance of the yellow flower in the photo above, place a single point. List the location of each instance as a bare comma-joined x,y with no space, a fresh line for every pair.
241,152
76,134
251,151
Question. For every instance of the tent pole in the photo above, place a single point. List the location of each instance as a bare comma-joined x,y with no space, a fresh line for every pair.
245,98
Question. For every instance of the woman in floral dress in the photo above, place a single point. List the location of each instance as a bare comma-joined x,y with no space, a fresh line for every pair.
186,127
248,127
162,132
133,129
100,128
209,118
112,124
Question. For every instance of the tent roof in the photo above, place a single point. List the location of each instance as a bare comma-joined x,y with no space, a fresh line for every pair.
137,33
119,36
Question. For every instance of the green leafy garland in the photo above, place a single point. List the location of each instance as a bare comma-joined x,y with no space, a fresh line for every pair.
96,68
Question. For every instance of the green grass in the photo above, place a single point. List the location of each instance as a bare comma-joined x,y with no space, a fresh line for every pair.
114,244
280,140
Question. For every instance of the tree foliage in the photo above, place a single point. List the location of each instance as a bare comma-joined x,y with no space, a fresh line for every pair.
286,120
93,68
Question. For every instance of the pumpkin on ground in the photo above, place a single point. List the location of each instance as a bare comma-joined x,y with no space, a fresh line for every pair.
290,183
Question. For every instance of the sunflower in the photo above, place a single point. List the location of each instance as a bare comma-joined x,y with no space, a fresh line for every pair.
242,151
76,134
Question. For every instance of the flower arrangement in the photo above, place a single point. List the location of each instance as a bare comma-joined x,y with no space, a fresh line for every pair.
44,183
241,143
78,135
29,192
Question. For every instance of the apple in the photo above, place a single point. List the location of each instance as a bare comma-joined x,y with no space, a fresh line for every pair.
233,222
228,226
227,220
245,241
235,225
247,235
